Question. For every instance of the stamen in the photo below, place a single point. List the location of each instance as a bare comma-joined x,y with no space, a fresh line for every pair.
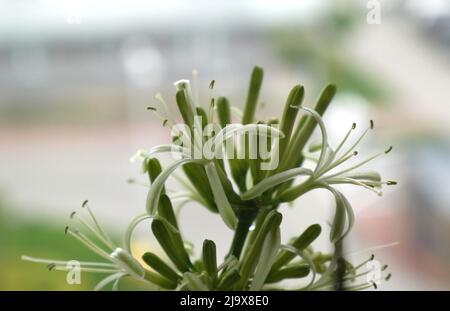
211,109
356,142
158,115
360,286
63,262
367,186
90,228
89,244
354,277
339,162
211,101
347,277
329,157
159,98
372,257
354,182
168,123
345,138
97,225
357,165
91,270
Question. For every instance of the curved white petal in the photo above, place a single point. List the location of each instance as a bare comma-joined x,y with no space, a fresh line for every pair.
239,129
224,207
268,255
323,131
108,280
274,180
156,188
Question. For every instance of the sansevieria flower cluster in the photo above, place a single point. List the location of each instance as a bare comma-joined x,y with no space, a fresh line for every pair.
241,169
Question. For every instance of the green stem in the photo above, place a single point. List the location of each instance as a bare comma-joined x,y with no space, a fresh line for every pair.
246,216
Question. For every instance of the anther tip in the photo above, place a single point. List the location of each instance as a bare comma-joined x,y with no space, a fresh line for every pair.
84,203
165,122
374,285
66,229
384,267
211,84
151,108
353,125
388,150
50,266
371,124
355,153
388,277
391,183
372,257
72,214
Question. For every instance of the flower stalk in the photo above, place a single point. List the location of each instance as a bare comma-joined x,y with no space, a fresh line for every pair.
243,172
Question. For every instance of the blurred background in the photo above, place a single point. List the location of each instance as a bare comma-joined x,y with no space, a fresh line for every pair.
76,78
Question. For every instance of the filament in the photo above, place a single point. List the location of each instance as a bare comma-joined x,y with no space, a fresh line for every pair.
89,244
100,229
345,138
90,228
